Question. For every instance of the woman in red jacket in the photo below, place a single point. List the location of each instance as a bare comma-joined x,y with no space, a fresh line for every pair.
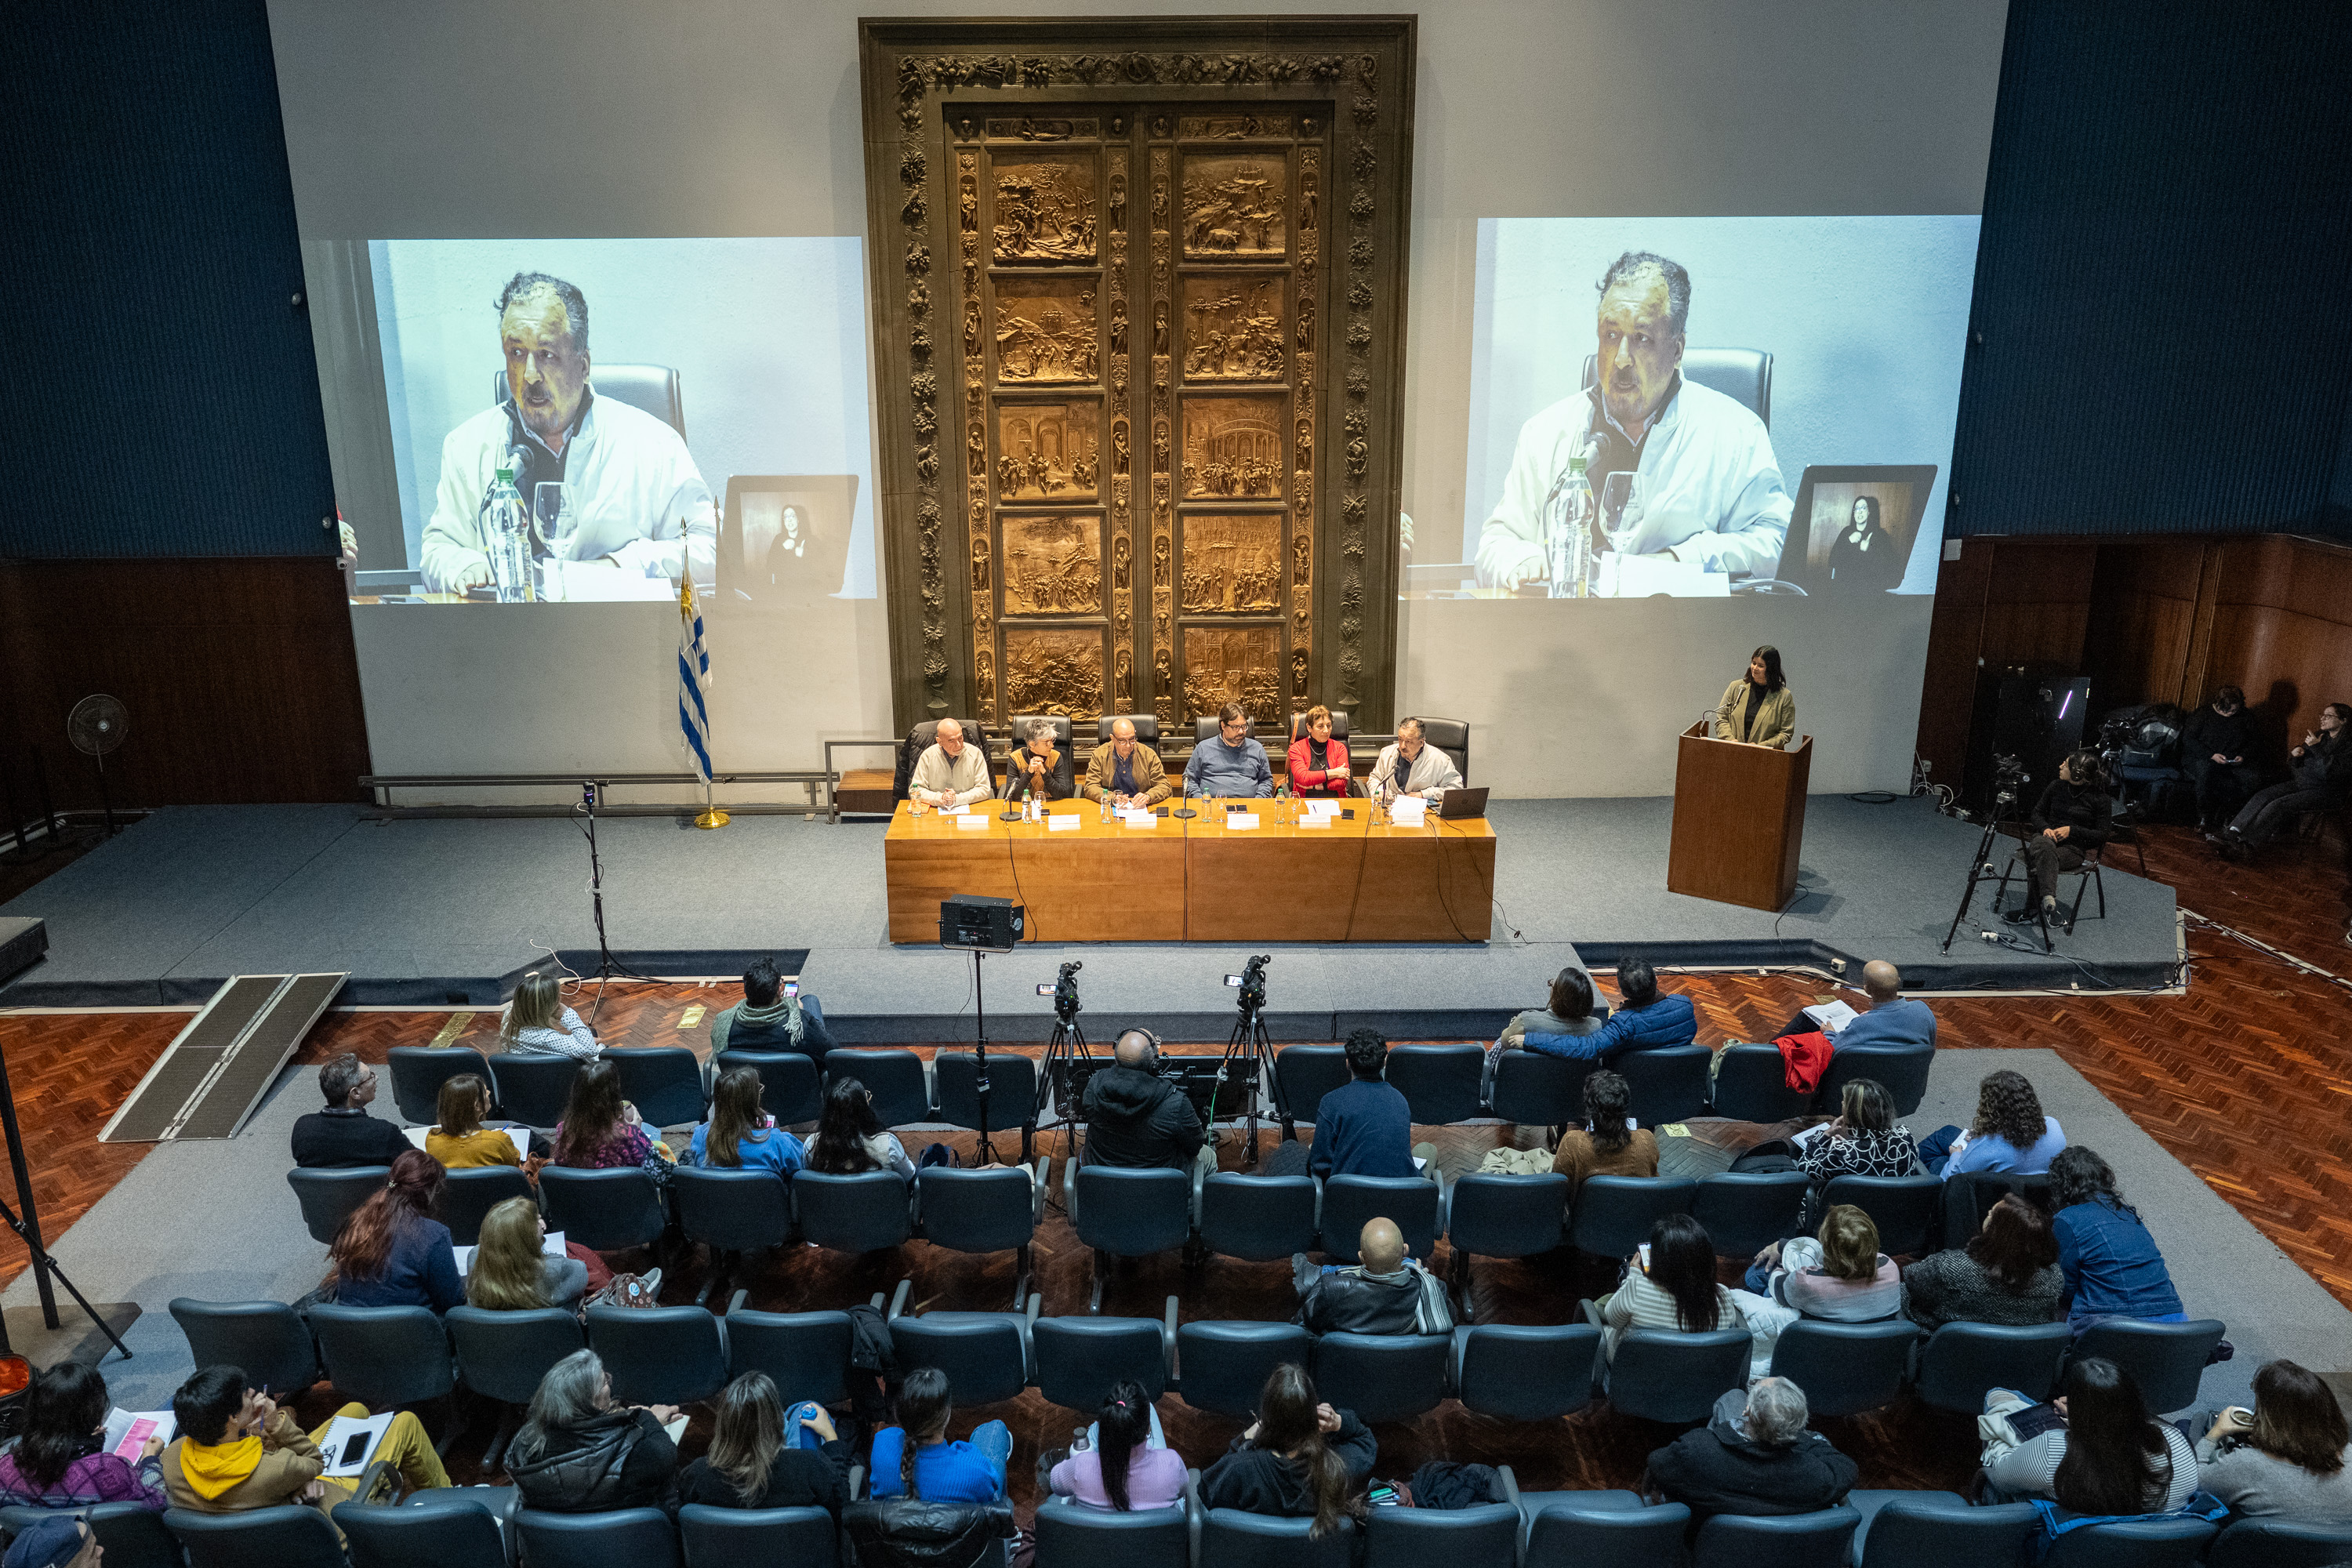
1319,764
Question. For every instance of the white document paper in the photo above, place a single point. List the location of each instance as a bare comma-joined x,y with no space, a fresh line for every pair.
1409,810
1064,822
549,1245
1241,820
590,581
1831,1015
1322,809
341,1430
1643,577
128,1430
971,824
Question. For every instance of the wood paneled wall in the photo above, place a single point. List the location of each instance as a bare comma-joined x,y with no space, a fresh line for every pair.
237,671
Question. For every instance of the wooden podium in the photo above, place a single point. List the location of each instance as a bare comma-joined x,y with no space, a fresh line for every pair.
1739,819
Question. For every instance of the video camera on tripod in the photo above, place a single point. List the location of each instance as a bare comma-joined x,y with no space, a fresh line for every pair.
1251,983
1064,991
2008,781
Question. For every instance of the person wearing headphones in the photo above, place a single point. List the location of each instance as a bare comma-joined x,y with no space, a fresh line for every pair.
1136,1119
2073,816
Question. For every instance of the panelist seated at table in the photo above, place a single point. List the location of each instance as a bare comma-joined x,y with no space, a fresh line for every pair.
1126,772
1319,761
950,772
1229,764
1038,768
1411,765
627,476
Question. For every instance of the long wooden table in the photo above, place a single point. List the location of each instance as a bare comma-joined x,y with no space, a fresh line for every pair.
1198,881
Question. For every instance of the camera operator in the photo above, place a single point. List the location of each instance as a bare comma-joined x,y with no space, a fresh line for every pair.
2074,815
1136,1119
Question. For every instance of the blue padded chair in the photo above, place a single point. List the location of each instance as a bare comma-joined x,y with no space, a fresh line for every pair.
1232,1539
864,1213
383,1356
1751,1084
1674,1377
640,1537
664,1082
807,1354
1080,1359
1901,1070
268,1341
1601,1529
1961,1363
1905,1209
457,1533
1440,1083
1261,1219
726,1536
1504,1217
1537,1090
1665,1085
328,1197
1413,1201
1224,1365
605,1211
987,1356
1524,1372
533,1090
2167,1360
1414,1537
1304,1073
1127,1213
660,1355
1383,1377
502,1355
419,1072
284,1537
1745,1210
1937,1529
2259,1543
996,1208
1612,1215
1793,1541
1012,1092
467,1195
731,1212
789,1084
902,1095
1845,1368
1072,1536
2174,1542
131,1535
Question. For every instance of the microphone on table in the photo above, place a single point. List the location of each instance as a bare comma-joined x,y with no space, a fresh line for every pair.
1184,812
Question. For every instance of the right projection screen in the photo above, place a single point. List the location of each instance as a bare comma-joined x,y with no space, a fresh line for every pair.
1763,407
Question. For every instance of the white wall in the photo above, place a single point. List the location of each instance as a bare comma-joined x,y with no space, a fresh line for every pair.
570,118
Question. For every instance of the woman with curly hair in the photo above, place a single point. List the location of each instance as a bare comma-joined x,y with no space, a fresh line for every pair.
392,1252
2009,1135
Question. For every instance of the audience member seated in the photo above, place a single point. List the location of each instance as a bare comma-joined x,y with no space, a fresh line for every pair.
2110,1261
1753,1459
1387,1293
344,1134
600,1131
768,1020
1036,768
392,1252
1646,1020
1319,763
1863,1139
763,1456
2322,779
538,1024
60,1541
1838,1275
237,1450
1569,1010
1675,1289
915,1459
59,1460
458,1140
1125,1467
1125,772
1299,1459
511,1271
1136,1119
2009,1136
2215,748
2008,1274
2105,1455
850,1139
1608,1144
1363,1128
739,1135
577,1452
1229,764
1889,1019
2286,1457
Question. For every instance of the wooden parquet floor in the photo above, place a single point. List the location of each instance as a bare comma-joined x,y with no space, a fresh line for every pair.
2252,1062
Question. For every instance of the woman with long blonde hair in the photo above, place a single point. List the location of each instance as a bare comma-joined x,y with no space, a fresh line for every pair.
538,1024
512,1273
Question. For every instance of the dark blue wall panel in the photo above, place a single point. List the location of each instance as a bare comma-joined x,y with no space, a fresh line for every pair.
156,386
2162,327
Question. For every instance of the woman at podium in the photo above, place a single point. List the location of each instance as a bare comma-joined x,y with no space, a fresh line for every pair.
1759,709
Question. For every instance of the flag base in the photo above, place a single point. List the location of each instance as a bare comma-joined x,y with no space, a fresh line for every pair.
713,818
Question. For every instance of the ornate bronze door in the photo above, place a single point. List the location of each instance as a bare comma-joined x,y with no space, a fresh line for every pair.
1114,476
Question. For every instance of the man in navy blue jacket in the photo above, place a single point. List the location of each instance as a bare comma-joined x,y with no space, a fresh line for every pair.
1363,1128
1644,1020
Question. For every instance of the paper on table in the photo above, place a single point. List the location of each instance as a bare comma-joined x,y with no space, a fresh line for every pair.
1241,819
1409,810
957,809
341,1430
1322,809
128,1430
1831,1015
1064,822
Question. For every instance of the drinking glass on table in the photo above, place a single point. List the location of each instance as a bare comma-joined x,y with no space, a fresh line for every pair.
1621,507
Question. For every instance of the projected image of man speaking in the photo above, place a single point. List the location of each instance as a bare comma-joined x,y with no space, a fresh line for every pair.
1678,472
631,488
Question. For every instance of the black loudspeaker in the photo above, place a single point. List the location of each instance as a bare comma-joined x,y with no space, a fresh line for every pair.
2031,714
980,924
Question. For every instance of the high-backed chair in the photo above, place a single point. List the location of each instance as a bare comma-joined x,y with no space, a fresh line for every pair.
283,1537
1751,1084
1790,1540
996,1208
1666,1085
503,1356
1017,736
790,1087
1440,1083
1940,1530
1080,1359
863,1213
1744,375
1146,728
1612,1215
988,1356
1339,725
1451,736
1961,1361
1224,1365
1304,1073
806,1353
1261,1219
2175,1541
664,1082
1745,1210
1518,1372
894,1077
467,1195
383,1356
921,737
660,1355
1904,1208
533,1090
1127,1213
2260,1543
1901,1070
1070,1535
419,1072
1383,1377
607,1211
128,1534
458,1533
1232,1539
1415,1203
1012,1093
731,1212
268,1341
1845,1368
1415,1537
1675,1377
329,1196
651,388
726,1536
2167,1360
1601,1529
1504,1217
640,1537
1539,1090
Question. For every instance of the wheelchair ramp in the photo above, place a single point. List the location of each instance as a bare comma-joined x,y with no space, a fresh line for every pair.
208,1080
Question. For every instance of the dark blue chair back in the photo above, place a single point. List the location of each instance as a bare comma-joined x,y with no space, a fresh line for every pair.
1793,1540
790,1087
902,1096
1415,1537
1506,1216
419,1072
1262,1219
503,1356
1901,1070
1745,1210
607,1211
1232,1539
1224,1365
1306,1074
664,1082
1932,1531
1905,1209
1524,1372
1961,1361
329,1196
1349,1201
1078,1359
1845,1368
992,1209
640,1537
863,1213
2259,1543
1612,1215
725,1537
268,1341
2167,1360
1667,1085
1751,1084
1674,1377
1440,1083
533,1090
1070,1535
1538,1091
2176,1543
467,1195
285,1536
807,1354
1012,1089
454,1534
659,1355
733,1210
986,1355
130,1534
383,1356
1133,1213
1382,1377
1563,1535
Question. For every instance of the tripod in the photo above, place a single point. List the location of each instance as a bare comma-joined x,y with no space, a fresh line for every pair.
1980,870
608,968
987,1155
1251,1044
28,1228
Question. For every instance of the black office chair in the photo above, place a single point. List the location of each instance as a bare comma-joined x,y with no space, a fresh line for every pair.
1306,1074
1674,1377
902,1095
1744,375
2175,1541
1012,1093
329,1196
726,1536
1232,1539
660,1355
1938,1529
732,1213
1601,1529
1126,1214
1961,1363
1845,1368
996,1208
1223,1365
384,1356
1819,1540
1612,1215
1079,1359
1503,1216
987,1356
1901,1070
1751,1084
1539,1090
419,1072
456,1534
790,1087
1017,736
533,1090
2257,1544
806,1353
664,1082
1383,1377
605,1211
2167,1360
504,1355
864,1213
284,1537
1440,1083
650,388
921,737
1339,725
467,1195
1071,1535
1517,1371
1146,728
1415,1537
1451,736
1746,1211
1905,1209
1668,1084
2087,879
268,1341
1261,1219
640,1537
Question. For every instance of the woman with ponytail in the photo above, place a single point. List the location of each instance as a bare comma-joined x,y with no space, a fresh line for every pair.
392,1252
915,1459
1128,1467
1299,1459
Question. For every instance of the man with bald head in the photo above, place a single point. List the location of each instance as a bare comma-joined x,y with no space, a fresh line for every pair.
1124,771
1136,1119
950,772
1893,1019
1385,1293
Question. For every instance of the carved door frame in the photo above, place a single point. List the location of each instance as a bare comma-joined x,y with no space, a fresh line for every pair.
945,103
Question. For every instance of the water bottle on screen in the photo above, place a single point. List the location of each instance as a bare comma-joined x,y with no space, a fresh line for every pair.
506,531
1571,534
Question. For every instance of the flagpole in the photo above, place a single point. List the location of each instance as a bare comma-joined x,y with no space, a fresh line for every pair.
711,816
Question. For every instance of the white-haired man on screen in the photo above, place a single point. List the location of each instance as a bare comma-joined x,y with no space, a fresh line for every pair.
633,486
1710,488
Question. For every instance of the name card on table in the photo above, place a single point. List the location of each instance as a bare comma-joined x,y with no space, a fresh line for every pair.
1409,810
971,823
1318,819
1064,822
1143,819
1241,820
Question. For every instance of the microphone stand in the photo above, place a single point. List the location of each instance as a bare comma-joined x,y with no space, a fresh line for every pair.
1184,812
608,968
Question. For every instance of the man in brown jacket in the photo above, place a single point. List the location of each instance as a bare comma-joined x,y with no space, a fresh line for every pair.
237,1450
1127,771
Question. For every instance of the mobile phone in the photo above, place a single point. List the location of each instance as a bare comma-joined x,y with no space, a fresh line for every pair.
791,987
1384,1496
1348,815
354,1450
1645,1251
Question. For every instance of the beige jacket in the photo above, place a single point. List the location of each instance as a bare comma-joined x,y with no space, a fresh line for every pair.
1431,769
1775,716
966,773
1149,771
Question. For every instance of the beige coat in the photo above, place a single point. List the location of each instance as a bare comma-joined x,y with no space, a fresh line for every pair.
1775,716
1149,771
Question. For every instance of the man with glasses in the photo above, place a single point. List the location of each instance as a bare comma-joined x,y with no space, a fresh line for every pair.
1232,765
344,1134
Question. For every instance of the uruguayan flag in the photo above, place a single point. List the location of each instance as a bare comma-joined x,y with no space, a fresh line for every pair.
693,673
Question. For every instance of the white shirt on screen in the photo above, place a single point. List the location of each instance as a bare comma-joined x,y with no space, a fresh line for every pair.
1707,468
632,484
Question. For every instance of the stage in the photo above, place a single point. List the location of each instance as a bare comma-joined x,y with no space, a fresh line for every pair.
442,912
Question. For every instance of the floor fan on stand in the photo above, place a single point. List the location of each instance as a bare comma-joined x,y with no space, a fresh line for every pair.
98,724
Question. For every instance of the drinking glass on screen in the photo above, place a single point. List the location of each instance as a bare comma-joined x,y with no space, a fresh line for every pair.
1621,507
554,515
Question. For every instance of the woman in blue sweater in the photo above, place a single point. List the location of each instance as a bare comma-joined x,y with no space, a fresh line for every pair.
739,1135
392,1252
915,1458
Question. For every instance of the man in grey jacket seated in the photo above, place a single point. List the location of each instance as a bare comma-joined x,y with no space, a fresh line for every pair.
1387,1293
1411,766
